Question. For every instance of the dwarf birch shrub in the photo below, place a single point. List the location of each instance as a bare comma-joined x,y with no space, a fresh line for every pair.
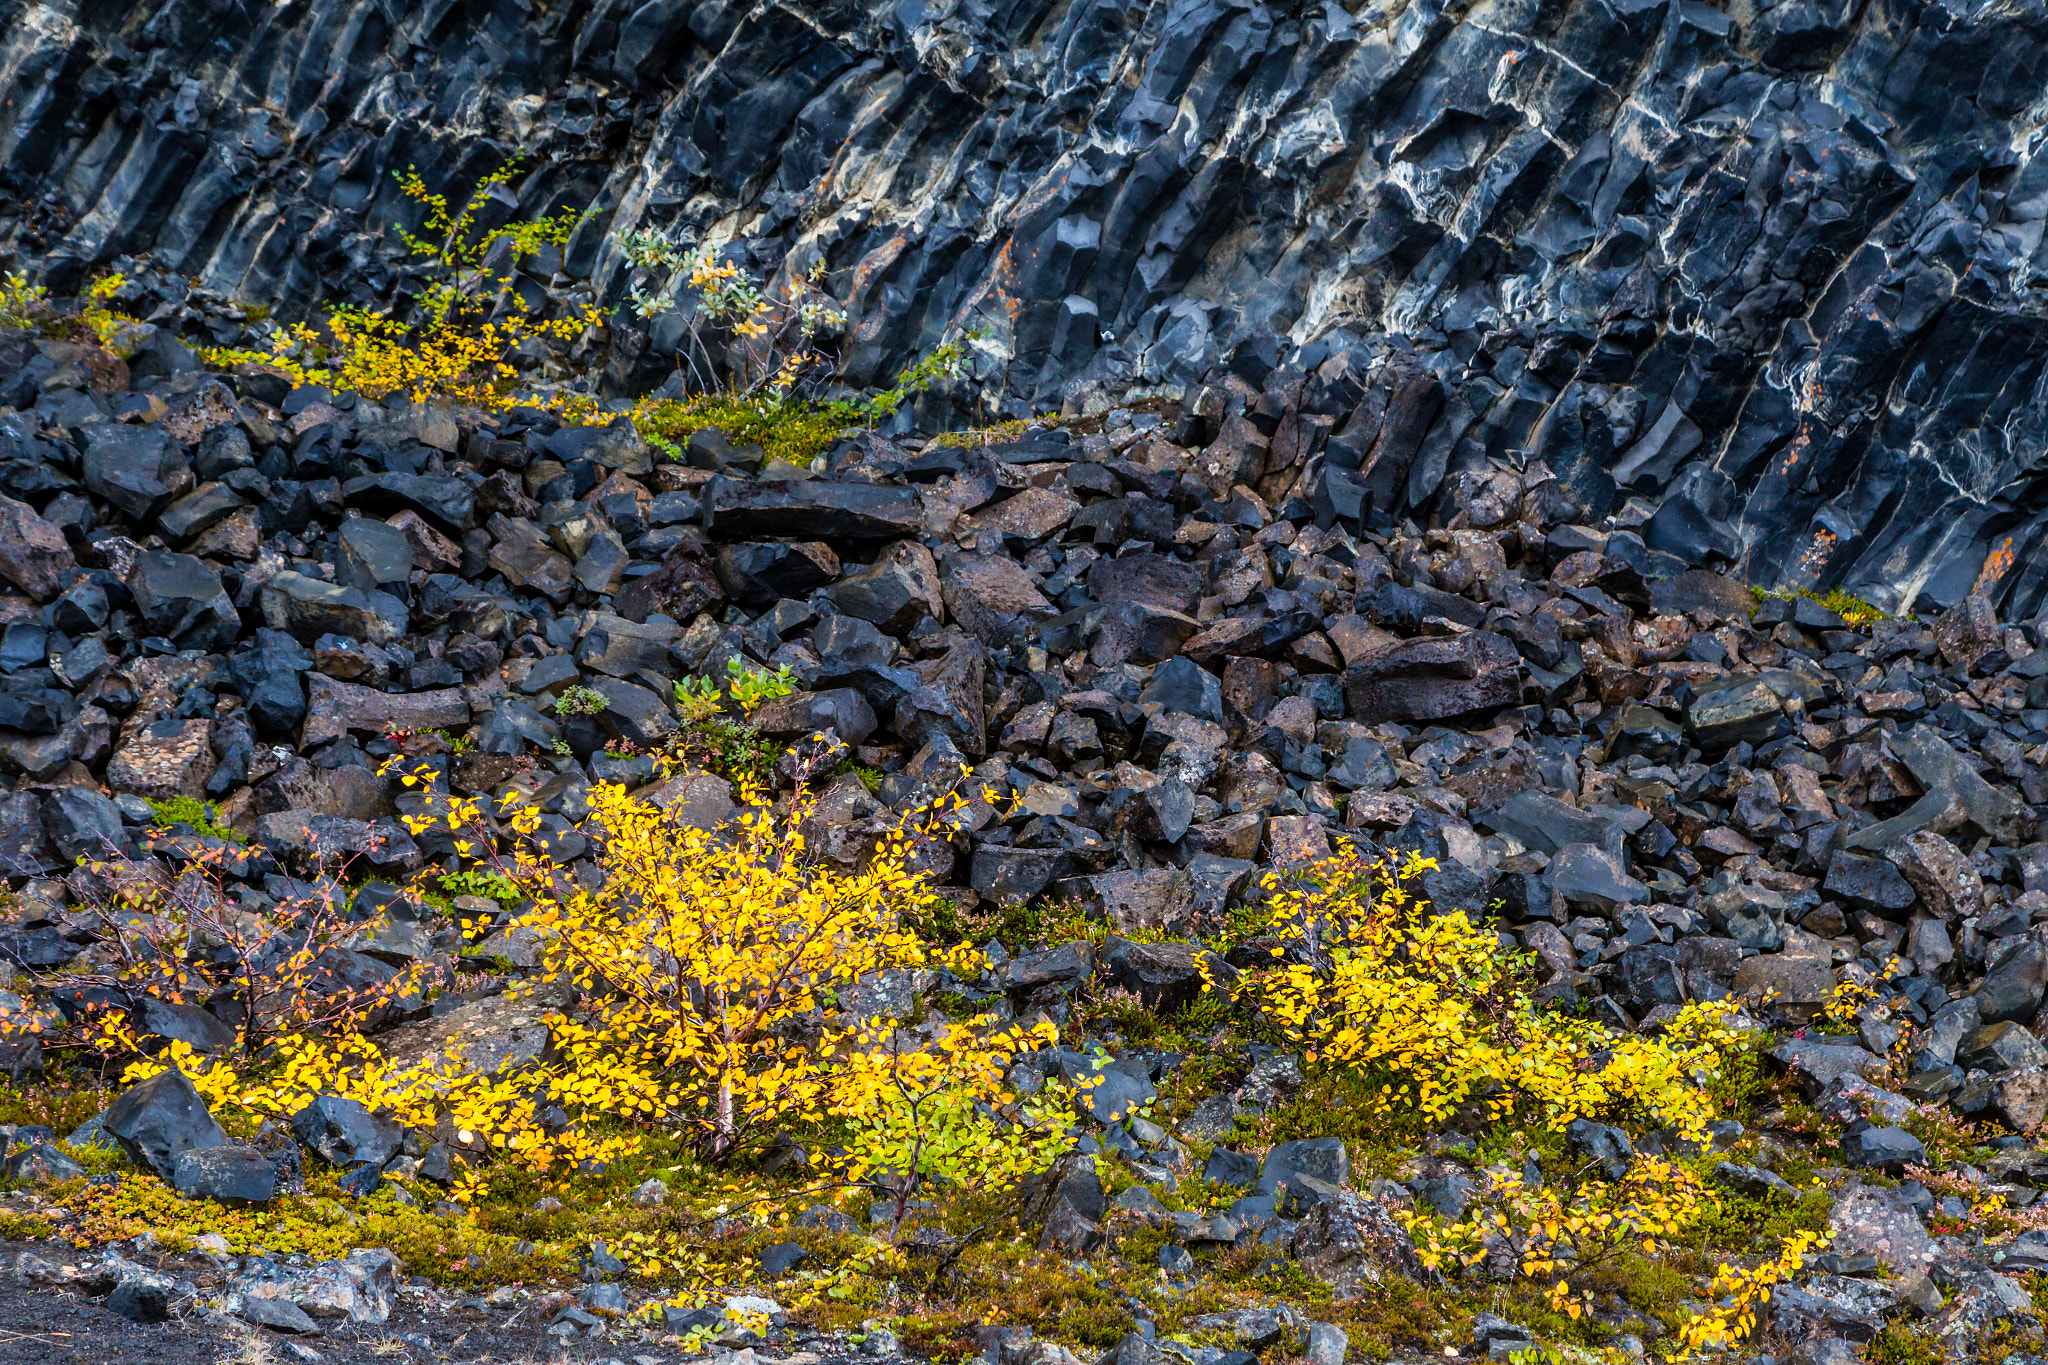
465,325
709,963
281,973
1430,1011
917,1108
1563,1233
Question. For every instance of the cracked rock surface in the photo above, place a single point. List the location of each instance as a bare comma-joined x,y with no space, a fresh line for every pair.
1769,267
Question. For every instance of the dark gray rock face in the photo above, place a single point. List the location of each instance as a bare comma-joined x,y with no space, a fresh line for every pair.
1768,267
160,1120
232,1175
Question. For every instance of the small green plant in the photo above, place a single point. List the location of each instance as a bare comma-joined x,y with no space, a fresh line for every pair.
577,700
461,744
698,700
871,778
199,815
764,391
941,1118
946,362
752,686
561,749
735,751
776,340
22,304
481,881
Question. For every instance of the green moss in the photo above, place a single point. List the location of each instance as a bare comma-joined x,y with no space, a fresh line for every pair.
60,1104
1013,430
1743,1227
794,429
1857,612
481,881
1902,1343
200,815
323,1223
1382,1319
871,778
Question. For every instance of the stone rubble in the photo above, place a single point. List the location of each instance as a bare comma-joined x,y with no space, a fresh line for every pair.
1173,681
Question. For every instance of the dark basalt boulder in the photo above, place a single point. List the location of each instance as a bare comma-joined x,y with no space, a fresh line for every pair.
159,1120
1434,678
342,1132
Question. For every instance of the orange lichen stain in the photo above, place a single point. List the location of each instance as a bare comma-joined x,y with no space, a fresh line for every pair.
1997,565
1003,280
1788,458
1817,553
878,260
1039,196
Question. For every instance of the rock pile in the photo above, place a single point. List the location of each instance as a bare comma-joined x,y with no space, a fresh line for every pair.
1179,650
1770,264
227,589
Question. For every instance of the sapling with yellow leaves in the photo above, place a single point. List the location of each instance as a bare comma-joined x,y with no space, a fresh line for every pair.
934,1103
1428,1011
465,324
1739,1293
191,942
22,304
706,960
1557,1234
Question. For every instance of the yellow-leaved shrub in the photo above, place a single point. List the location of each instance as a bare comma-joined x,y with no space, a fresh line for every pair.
707,967
1559,1233
1431,1011
705,955
466,326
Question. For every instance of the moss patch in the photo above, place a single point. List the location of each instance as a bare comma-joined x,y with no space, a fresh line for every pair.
794,429
1858,613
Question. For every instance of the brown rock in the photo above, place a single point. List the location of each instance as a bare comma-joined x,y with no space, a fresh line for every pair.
1032,514
2020,1098
683,586
335,708
1147,579
1434,678
1968,631
992,596
164,760
1292,840
34,555
238,535
1232,836
431,550
1213,644
1794,982
524,556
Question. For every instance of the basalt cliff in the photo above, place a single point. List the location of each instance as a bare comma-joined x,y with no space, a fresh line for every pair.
1770,267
